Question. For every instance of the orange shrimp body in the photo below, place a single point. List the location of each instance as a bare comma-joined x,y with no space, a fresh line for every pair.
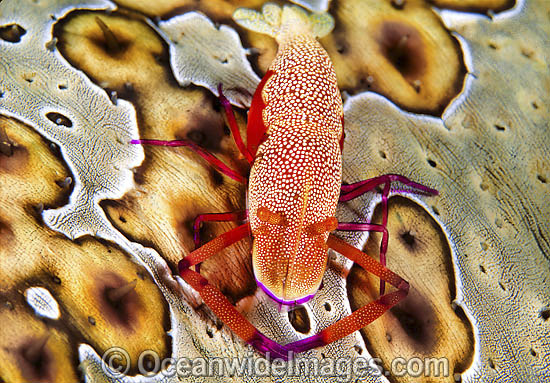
294,143
295,180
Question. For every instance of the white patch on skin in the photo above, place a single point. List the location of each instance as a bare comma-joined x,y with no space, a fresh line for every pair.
313,5
207,56
96,144
42,302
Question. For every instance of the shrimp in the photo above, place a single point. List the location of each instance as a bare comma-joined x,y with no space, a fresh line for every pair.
294,146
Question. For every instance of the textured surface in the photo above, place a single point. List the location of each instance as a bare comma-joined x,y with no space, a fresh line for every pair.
487,231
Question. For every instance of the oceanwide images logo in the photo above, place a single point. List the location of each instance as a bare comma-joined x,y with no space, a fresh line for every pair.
117,363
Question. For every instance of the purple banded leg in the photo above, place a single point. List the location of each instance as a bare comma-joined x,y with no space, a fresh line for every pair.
364,315
352,226
349,192
237,216
211,159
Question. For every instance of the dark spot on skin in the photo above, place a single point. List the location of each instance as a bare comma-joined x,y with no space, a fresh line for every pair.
542,178
196,136
149,363
526,52
128,91
35,359
51,45
417,85
435,210
358,349
6,146
535,105
382,154
398,4
116,310
216,177
56,280
185,228
110,40
432,163
417,321
113,96
482,269
492,45
327,306
13,156
402,45
122,219
139,173
342,45
533,352
491,363
65,183
62,87
12,33
500,128
408,238
205,129
59,119
209,333
545,313
299,319
91,320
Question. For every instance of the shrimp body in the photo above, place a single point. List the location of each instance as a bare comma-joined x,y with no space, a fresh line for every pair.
294,143
295,180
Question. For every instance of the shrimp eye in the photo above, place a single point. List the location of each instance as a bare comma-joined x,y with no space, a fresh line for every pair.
267,216
317,228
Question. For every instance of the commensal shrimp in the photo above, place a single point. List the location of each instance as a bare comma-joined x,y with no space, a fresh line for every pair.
294,145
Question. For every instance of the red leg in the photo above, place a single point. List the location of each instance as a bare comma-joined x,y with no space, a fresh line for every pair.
349,192
218,303
237,216
229,315
352,226
256,129
214,217
225,311
214,246
234,127
212,160
366,314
